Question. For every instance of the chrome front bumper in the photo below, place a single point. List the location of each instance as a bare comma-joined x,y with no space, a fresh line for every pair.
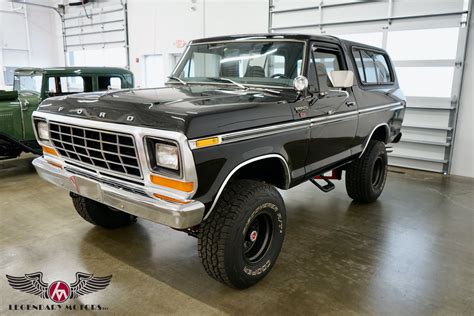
170,214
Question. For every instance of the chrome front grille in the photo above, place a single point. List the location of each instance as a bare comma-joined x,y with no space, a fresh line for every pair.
111,151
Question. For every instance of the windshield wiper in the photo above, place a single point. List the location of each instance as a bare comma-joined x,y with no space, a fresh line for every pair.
267,90
184,83
241,86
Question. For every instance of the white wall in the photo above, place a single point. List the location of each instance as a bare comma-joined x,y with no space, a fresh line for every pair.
463,156
155,26
43,32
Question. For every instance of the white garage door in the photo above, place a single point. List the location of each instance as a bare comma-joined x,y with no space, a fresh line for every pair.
96,35
426,39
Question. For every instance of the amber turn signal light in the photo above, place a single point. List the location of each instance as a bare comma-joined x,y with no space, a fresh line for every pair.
170,199
206,142
54,164
49,151
174,184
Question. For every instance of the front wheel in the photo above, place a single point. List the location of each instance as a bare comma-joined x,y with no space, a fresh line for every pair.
100,214
241,239
365,176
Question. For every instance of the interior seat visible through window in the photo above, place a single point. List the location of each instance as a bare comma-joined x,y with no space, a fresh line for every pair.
323,78
255,71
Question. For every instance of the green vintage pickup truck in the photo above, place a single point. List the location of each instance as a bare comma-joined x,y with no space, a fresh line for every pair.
33,85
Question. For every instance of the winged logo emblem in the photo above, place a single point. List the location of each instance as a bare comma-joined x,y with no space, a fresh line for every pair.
59,291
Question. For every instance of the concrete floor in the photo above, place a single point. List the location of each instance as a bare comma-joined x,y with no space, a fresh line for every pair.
411,252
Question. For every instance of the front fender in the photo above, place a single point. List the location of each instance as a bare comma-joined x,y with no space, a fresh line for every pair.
215,165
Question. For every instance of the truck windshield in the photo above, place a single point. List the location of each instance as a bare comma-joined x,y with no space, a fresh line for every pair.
28,83
264,63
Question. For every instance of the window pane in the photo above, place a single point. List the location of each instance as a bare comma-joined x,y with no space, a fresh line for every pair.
244,62
52,85
107,83
383,72
115,83
360,67
423,44
325,63
275,65
67,85
72,84
369,67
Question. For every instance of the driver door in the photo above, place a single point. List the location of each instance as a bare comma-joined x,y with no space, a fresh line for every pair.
333,112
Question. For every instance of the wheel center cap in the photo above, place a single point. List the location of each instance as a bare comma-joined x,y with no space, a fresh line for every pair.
253,236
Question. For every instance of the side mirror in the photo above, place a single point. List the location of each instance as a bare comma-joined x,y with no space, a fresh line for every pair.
342,78
300,83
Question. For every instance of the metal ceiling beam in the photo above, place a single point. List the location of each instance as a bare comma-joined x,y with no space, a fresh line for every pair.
60,12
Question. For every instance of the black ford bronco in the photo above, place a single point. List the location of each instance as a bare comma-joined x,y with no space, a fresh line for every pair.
239,117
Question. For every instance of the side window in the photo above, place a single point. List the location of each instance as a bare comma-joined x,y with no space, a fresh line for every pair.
372,67
369,67
322,63
359,64
383,71
69,85
110,83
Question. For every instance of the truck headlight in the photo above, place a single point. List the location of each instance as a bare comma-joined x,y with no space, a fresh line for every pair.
167,156
164,156
43,132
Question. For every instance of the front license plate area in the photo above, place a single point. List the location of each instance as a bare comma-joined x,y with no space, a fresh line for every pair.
87,188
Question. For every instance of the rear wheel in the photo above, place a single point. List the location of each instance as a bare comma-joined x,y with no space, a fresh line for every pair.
241,239
100,214
365,176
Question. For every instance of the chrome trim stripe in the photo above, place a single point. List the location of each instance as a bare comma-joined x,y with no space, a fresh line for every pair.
396,106
292,126
287,184
139,133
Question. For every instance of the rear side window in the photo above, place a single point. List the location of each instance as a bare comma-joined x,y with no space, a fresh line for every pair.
62,85
372,67
110,83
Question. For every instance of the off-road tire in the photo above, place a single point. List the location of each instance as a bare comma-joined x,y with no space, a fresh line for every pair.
366,176
100,214
224,245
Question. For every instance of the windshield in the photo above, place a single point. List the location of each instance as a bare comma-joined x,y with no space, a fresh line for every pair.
267,63
30,83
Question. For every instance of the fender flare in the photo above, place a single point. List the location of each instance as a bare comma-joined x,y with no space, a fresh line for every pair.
242,164
387,128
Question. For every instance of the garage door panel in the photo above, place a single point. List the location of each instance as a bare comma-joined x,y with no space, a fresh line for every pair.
426,117
423,135
426,81
423,151
415,164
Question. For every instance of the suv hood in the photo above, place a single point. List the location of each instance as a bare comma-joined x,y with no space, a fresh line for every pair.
196,111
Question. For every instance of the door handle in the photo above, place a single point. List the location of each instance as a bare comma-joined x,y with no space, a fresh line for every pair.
350,103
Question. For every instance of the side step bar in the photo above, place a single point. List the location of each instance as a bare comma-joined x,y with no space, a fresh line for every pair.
329,186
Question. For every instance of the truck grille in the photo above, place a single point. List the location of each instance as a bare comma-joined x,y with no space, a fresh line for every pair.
111,151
